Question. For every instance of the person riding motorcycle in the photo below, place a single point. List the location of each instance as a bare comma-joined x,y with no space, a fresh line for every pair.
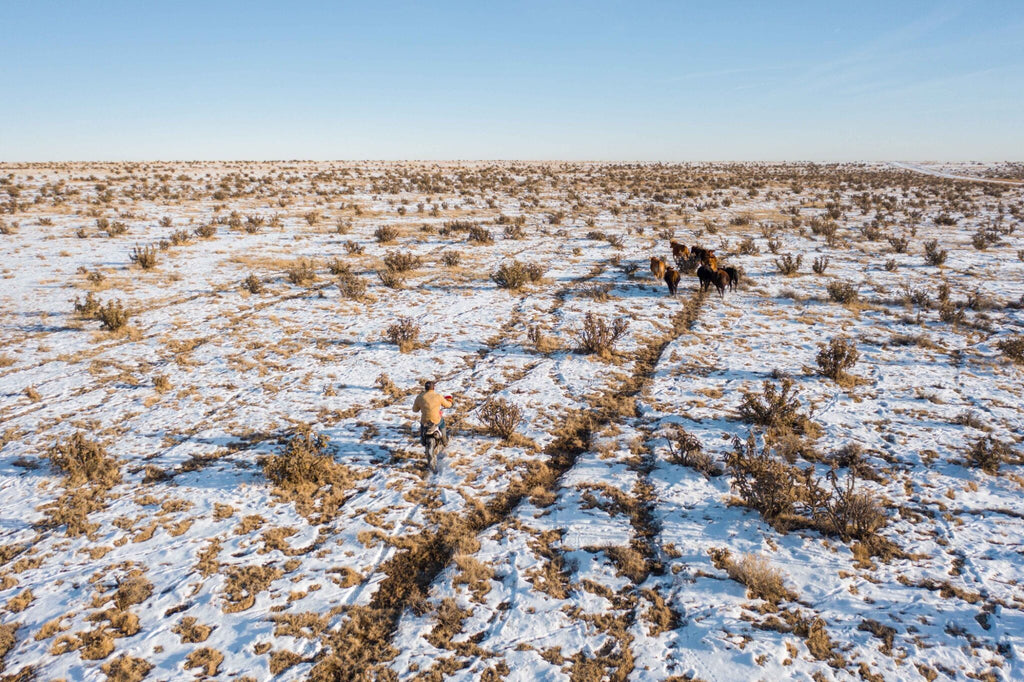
429,404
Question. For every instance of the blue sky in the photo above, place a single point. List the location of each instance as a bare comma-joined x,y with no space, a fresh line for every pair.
671,81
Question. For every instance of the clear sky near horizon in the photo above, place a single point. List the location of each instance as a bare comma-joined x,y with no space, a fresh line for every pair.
672,81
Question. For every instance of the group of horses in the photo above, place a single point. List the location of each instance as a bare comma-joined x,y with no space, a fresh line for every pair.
686,259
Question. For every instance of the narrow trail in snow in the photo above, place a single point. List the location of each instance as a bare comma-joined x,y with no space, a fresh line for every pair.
363,643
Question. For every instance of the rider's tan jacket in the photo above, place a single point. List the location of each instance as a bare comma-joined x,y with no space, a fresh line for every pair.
429,404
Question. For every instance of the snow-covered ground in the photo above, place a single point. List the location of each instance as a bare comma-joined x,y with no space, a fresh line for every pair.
578,549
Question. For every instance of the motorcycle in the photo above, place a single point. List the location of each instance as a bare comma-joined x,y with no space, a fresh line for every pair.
434,442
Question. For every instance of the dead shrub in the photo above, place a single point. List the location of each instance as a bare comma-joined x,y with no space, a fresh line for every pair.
478,234
820,265
899,244
401,261
302,272
83,461
686,449
836,357
114,315
306,473
753,571
597,292
988,453
336,266
391,279
511,275
206,231
451,259
514,231
851,513
253,284
180,237
144,256
748,247
354,248
501,417
763,482
403,333
596,336
787,264
776,408
1013,348
351,286
385,234
88,308
933,255
842,292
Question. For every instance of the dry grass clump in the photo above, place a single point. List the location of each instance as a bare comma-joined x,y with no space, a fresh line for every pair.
306,473
302,272
385,234
404,333
191,631
501,417
132,590
762,580
787,264
542,343
207,659
686,449
253,284
144,256
842,292
124,668
206,231
451,259
988,454
837,356
596,336
244,583
1013,348
84,462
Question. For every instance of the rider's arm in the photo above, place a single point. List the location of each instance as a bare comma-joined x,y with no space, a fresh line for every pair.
417,405
446,401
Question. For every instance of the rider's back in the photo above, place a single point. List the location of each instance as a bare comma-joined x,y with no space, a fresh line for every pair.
429,404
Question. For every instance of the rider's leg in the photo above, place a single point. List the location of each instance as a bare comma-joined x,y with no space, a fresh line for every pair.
423,433
444,432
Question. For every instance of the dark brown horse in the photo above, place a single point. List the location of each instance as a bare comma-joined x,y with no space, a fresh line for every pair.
706,276
734,277
672,280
